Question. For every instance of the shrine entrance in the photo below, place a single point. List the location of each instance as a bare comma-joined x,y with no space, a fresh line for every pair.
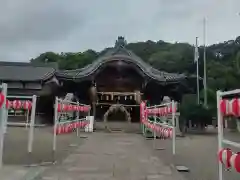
117,109
115,115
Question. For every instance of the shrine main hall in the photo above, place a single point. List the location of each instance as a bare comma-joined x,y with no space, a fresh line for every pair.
115,82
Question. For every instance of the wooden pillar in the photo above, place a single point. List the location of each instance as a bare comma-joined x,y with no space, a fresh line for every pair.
94,109
93,98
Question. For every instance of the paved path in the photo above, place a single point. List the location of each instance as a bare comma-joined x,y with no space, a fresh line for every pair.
112,156
20,173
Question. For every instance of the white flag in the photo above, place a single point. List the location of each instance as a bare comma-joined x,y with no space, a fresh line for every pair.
196,53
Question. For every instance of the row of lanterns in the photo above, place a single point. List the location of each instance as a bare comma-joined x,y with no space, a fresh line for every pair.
229,159
162,111
68,127
69,107
230,107
15,104
162,132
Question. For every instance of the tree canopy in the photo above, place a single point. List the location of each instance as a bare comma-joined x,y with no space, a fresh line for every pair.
223,60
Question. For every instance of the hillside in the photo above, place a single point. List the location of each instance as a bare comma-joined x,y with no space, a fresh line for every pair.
223,60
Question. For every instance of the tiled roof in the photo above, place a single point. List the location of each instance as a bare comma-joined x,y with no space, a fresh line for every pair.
121,53
20,71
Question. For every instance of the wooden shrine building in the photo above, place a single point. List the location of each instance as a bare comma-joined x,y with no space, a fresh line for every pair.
117,80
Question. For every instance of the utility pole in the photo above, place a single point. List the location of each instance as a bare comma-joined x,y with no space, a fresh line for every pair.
196,58
204,63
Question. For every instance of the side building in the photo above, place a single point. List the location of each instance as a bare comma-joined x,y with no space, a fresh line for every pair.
27,79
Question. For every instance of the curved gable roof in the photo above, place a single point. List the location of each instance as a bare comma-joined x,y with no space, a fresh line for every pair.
121,53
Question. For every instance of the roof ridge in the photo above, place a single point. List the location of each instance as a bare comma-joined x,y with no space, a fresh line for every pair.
46,75
28,64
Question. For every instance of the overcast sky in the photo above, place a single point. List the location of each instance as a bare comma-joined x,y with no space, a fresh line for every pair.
31,27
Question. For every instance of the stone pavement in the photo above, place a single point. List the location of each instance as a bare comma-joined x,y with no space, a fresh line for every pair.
20,173
112,156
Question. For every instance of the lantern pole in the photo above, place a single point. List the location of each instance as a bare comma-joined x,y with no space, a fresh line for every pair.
220,134
154,131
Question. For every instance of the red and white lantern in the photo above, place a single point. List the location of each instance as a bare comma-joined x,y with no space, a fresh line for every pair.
142,111
161,131
155,128
152,111
224,156
162,111
148,125
16,104
235,162
234,105
70,107
170,109
80,108
84,108
71,126
152,126
65,128
75,125
59,129
80,124
223,106
87,108
86,123
155,111
230,107
64,107
166,133
59,107
2,97
148,111
75,107
145,122
27,105
170,133
8,104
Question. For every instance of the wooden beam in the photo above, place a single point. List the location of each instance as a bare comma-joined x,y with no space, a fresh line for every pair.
127,105
119,93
